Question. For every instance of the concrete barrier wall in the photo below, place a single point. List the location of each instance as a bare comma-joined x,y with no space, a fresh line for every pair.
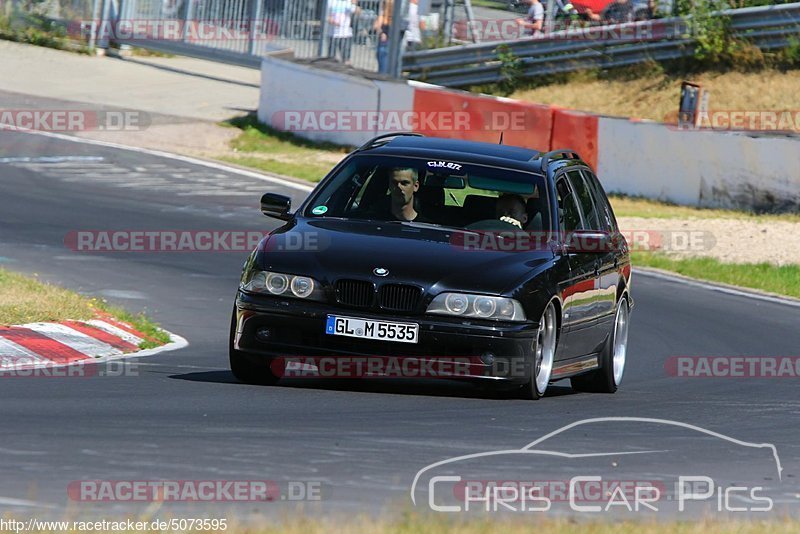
699,168
327,106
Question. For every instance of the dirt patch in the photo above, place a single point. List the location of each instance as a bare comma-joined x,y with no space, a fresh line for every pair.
204,139
727,240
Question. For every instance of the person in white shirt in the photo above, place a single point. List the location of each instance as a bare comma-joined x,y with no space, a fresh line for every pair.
533,23
415,27
340,28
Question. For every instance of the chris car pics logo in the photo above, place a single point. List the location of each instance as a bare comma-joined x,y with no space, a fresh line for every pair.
574,469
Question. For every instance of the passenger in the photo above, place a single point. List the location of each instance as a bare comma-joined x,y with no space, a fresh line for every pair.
510,208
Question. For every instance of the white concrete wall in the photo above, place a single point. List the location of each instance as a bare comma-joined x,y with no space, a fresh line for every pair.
637,158
702,168
289,87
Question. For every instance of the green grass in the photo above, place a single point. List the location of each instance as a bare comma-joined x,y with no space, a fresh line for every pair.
258,137
266,149
781,280
141,323
305,171
627,206
26,300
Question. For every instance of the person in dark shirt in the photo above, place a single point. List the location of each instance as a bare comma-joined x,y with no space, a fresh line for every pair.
399,204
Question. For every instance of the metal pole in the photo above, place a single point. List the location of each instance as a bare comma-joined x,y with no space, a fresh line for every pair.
550,18
257,30
106,23
396,40
323,29
449,7
470,21
188,19
95,16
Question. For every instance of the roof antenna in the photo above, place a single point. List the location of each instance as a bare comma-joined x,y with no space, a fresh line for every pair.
501,138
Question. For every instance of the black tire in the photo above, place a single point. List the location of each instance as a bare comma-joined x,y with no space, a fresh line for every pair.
246,370
545,349
602,380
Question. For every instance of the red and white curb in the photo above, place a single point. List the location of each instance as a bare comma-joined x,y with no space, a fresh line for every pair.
74,342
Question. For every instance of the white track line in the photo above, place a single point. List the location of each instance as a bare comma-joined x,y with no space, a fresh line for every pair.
161,154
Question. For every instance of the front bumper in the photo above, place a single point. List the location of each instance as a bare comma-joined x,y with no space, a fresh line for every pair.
295,331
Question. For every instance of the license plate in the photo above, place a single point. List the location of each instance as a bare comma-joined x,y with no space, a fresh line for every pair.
367,329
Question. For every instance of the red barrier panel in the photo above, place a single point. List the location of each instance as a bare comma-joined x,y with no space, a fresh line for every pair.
578,131
461,115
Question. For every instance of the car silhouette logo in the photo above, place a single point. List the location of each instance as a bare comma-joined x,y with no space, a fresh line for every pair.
380,271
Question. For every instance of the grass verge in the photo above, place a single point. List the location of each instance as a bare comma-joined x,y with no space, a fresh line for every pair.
626,206
781,280
27,300
264,148
651,93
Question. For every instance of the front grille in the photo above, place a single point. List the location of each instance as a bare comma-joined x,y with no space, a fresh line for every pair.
355,293
399,297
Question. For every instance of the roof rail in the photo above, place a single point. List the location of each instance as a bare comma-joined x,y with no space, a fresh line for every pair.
375,141
566,153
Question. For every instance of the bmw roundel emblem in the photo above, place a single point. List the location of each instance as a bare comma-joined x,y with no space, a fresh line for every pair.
380,271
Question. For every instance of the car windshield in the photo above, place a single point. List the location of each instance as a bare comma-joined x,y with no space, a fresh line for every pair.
445,193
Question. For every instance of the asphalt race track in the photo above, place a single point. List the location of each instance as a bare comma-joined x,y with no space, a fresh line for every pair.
182,415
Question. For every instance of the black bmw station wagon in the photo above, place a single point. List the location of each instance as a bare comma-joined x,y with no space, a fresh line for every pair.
502,259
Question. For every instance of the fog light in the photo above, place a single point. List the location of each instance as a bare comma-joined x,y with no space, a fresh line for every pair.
263,334
487,358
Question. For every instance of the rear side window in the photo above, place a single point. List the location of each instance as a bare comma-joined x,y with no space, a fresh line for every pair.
604,211
569,218
584,198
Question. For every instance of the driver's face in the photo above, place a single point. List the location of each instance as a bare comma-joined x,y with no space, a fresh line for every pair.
403,187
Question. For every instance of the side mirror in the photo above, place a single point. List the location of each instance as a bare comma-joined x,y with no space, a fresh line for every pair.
589,242
276,206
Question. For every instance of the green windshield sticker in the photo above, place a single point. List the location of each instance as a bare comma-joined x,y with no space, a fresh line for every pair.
319,210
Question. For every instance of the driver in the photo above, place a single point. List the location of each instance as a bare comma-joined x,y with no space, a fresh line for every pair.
401,205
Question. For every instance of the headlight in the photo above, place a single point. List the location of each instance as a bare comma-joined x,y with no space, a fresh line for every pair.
481,306
285,285
277,283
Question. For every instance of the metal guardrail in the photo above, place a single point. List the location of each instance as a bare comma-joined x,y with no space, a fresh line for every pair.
575,49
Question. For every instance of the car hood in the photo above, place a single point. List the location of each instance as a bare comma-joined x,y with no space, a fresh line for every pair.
431,257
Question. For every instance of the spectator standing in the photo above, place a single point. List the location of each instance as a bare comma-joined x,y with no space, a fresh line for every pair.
415,27
340,20
533,22
382,26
